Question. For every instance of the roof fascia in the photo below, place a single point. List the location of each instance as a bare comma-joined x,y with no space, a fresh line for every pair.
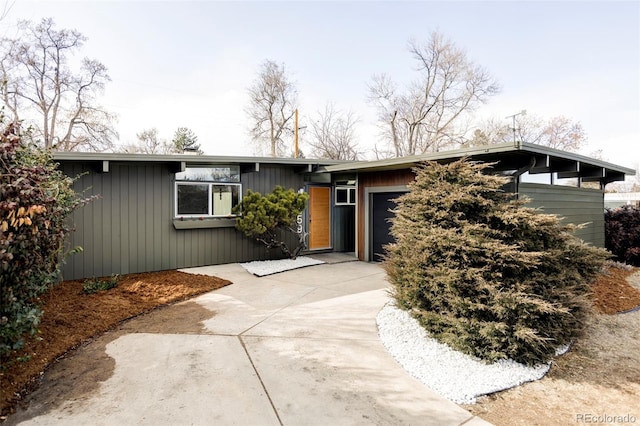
407,162
189,159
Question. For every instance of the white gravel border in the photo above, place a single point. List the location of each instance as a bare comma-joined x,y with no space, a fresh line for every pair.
454,375
262,268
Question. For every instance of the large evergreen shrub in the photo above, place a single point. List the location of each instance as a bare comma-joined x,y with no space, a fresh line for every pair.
271,218
35,201
622,233
481,272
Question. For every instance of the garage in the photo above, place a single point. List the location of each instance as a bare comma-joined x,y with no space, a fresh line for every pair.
567,184
381,204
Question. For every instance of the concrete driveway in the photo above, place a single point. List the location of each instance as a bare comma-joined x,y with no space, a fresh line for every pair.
294,348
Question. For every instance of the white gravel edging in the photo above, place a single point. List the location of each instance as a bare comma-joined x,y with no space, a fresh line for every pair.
454,375
262,268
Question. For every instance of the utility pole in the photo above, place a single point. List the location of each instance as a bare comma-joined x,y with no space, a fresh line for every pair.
295,135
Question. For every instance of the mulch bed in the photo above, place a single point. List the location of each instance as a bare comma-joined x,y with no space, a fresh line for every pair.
612,293
72,318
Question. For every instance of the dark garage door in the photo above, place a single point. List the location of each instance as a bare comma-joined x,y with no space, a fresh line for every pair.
381,204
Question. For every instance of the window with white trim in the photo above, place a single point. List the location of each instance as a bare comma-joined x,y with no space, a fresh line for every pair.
207,191
345,195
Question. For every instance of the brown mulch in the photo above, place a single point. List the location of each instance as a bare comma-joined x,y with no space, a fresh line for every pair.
72,317
612,293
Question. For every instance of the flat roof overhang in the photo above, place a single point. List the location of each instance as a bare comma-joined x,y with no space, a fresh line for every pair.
180,161
507,156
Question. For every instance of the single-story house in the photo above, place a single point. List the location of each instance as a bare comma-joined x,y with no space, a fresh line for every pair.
158,212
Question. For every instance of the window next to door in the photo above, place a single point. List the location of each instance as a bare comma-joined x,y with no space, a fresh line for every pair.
207,191
345,196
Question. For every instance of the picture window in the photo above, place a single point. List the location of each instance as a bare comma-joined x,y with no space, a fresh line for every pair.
207,191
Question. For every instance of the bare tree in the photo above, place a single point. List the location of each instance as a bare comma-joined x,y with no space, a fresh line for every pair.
6,8
430,113
40,86
10,99
598,154
149,143
273,101
561,133
491,131
557,132
333,135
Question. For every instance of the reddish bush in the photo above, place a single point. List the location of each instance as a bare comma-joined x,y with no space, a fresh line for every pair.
622,233
35,201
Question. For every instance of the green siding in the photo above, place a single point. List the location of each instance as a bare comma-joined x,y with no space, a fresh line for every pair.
129,228
574,205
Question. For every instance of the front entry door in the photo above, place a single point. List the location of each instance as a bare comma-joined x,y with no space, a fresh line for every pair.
319,217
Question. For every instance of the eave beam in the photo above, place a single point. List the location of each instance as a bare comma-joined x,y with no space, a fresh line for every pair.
541,164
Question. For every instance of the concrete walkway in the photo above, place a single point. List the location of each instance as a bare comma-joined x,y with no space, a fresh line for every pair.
294,348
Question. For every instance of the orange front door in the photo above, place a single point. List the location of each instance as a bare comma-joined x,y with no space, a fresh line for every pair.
319,217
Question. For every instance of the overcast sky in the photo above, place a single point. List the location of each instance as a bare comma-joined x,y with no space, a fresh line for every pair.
175,63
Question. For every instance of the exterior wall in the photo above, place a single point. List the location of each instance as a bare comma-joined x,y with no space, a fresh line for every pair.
344,231
575,205
343,221
129,228
392,178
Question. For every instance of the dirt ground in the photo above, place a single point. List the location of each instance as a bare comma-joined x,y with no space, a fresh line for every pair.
72,318
599,376
597,381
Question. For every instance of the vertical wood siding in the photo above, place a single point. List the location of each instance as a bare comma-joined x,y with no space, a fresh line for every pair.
129,228
575,205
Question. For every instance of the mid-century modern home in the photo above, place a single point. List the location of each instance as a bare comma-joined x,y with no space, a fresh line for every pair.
159,212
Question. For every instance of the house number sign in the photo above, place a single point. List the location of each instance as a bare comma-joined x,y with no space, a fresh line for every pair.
299,222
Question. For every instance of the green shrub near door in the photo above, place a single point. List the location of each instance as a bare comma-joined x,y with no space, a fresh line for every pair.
269,218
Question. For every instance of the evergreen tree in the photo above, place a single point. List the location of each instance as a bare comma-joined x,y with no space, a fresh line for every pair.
482,272
185,140
272,218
